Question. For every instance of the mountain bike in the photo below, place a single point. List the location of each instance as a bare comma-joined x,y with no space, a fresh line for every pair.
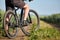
15,22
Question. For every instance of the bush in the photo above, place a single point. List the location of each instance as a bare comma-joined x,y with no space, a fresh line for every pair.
55,18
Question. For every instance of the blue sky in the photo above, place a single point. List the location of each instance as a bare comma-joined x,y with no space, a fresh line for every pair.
42,7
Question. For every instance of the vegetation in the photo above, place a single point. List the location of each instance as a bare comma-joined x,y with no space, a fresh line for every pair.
1,23
46,32
55,18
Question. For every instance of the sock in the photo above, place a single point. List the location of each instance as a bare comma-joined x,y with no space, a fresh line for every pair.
24,19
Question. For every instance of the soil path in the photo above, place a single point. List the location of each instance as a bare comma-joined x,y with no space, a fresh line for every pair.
20,36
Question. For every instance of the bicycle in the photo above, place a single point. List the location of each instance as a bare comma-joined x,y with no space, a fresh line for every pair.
14,22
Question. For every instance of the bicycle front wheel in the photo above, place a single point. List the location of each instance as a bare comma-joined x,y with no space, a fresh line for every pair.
10,25
33,23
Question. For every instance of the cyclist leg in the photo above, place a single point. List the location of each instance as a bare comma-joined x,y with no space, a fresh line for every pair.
26,10
7,20
22,4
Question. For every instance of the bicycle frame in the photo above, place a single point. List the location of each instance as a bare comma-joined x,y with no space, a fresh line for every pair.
13,8
21,15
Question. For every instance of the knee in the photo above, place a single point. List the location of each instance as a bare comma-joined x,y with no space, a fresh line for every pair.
26,6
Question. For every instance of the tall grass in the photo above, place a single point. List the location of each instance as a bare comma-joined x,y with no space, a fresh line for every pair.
55,18
45,34
1,23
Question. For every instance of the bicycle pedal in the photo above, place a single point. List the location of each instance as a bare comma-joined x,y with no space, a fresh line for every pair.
16,26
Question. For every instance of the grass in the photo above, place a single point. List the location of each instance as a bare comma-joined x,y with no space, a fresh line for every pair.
46,32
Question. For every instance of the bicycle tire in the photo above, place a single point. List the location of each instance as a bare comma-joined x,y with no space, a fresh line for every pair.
4,24
38,23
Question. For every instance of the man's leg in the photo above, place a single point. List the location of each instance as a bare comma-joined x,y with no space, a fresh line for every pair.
7,20
22,4
26,11
6,26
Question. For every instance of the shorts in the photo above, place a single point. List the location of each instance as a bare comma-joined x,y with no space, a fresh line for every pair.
19,3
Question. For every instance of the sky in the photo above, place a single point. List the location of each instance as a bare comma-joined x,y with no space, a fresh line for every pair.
42,7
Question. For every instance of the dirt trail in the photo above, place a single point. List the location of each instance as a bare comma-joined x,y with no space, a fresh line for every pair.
49,25
20,36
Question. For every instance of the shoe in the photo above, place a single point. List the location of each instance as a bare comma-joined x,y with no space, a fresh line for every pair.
24,23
